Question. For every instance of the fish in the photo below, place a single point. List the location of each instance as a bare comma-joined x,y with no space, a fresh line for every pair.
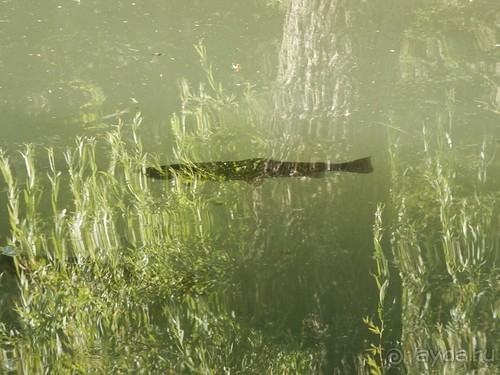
254,170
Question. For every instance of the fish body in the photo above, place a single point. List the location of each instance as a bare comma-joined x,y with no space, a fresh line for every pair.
254,169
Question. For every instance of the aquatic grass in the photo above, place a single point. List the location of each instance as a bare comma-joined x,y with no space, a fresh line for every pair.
120,273
215,123
445,243
221,95
376,358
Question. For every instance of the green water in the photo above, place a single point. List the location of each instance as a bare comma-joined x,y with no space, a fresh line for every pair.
285,269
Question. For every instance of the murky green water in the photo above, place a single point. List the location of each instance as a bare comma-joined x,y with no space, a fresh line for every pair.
413,84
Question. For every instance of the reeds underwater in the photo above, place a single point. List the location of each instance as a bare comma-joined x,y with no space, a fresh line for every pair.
442,227
113,273
115,276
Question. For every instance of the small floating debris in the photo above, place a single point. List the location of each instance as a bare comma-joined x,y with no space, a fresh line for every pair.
236,67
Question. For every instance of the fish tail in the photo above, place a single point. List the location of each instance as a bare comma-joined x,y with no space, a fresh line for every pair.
363,165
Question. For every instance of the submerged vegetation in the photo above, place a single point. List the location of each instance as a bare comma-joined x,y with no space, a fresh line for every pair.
445,243
115,273
118,277
441,223
110,272
445,246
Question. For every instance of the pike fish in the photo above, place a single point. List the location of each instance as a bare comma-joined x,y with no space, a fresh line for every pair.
254,170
